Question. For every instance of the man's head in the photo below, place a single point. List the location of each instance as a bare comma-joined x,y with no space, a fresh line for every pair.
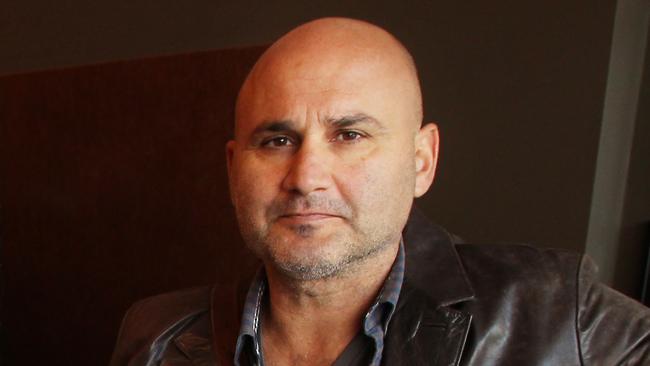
328,151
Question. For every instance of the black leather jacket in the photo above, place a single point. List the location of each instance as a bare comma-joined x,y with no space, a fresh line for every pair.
460,304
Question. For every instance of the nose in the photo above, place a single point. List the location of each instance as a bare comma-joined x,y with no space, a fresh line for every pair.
309,169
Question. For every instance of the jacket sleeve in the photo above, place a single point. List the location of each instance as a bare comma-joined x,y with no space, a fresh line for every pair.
612,329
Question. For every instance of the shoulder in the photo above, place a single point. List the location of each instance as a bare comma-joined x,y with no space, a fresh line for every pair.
524,282
530,287
163,310
148,319
180,301
519,266
519,261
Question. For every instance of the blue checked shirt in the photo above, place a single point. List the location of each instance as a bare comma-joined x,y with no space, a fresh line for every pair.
375,323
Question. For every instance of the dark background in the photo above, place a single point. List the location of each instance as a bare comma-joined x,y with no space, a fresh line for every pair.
543,109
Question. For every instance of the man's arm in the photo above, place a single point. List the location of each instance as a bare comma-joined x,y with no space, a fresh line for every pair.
612,329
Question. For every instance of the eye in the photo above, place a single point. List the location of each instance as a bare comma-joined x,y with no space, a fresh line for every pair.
348,136
277,141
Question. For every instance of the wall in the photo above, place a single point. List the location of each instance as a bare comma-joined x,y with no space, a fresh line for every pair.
632,253
517,88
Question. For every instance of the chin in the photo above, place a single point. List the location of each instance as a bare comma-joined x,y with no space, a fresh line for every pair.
309,263
306,257
302,271
305,252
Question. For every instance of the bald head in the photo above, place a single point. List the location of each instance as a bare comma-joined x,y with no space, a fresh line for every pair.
330,53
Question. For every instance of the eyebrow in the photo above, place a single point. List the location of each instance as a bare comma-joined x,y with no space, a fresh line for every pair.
273,126
351,120
337,122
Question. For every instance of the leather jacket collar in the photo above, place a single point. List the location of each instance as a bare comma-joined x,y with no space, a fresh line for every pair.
426,329
433,267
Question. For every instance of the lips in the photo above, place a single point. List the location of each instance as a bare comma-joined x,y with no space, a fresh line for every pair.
308,216
308,208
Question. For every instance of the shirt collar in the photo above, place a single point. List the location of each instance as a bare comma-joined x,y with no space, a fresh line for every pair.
248,341
375,322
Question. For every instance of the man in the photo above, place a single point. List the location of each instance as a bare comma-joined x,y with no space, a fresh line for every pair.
327,157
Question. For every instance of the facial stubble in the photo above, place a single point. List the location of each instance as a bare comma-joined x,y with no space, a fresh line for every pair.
355,244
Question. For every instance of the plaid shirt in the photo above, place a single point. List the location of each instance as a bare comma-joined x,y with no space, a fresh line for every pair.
375,322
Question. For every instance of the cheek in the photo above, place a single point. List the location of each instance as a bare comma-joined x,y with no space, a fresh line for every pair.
252,186
378,183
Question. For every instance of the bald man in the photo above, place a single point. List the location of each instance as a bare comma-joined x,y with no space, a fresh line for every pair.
328,154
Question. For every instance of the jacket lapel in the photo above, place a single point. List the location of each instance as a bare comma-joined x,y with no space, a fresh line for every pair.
425,328
426,337
197,349
210,343
227,304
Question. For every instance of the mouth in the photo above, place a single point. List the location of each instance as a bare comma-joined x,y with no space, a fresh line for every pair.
308,216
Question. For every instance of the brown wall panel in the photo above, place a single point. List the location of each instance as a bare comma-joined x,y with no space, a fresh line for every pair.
113,188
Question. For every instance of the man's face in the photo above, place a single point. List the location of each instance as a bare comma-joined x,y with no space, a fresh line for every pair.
322,168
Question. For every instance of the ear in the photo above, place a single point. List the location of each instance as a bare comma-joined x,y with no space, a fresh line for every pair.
426,157
230,151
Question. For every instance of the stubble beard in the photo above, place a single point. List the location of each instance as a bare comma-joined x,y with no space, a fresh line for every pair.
354,249
320,268
353,241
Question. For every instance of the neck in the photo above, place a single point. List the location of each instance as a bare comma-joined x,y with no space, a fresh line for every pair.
311,322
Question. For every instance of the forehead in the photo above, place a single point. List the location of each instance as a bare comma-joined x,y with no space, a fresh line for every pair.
315,89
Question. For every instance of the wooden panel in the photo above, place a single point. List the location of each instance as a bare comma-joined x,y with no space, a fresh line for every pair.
113,187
